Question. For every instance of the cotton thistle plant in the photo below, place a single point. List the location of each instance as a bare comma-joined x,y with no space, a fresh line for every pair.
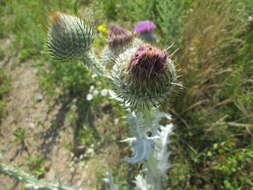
142,76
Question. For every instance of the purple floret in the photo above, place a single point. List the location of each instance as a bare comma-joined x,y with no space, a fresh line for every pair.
144,26
148,63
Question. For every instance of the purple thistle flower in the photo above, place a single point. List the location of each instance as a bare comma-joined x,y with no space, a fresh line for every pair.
144,26
147,63
143,76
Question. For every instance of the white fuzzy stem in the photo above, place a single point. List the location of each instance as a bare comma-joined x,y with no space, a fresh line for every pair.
32,182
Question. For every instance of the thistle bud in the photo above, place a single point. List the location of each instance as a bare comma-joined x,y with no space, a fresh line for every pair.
144,76
119,40
119,37
69,38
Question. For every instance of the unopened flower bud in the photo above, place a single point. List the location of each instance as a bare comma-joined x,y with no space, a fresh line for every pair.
119,37
119,40
69,38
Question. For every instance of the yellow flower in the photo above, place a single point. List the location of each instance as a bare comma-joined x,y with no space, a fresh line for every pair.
102,29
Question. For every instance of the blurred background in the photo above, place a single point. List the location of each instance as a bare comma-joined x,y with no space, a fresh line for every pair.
58,122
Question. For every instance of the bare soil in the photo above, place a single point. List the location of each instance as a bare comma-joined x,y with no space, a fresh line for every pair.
48,134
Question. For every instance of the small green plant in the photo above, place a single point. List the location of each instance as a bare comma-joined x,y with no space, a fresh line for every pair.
36,165
20,134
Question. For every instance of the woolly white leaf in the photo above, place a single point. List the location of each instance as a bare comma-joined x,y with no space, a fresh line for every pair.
142,149
109,180
161,152
115,96
141,183
129,140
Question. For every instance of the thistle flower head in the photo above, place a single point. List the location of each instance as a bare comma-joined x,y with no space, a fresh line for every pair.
147,63
69,38
144,26
119,37
145,29
144,76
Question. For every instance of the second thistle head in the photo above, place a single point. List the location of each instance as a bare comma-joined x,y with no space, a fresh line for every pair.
69,38
144,76
145,30
119,37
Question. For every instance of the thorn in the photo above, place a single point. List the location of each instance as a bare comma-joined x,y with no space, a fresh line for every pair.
174,52
178,85
170,46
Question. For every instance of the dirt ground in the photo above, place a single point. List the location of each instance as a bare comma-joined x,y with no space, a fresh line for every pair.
47,134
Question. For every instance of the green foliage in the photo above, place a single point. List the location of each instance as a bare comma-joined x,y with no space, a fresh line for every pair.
2,32
20,134
1,54
101,39
249,5
213,110
166,14
36,165
28,21
170,20
4,88
109,7
68,77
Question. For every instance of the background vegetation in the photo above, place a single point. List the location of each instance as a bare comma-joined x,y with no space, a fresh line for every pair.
213,115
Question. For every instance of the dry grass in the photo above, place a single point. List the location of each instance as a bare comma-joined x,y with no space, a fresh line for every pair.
210,31
210,109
